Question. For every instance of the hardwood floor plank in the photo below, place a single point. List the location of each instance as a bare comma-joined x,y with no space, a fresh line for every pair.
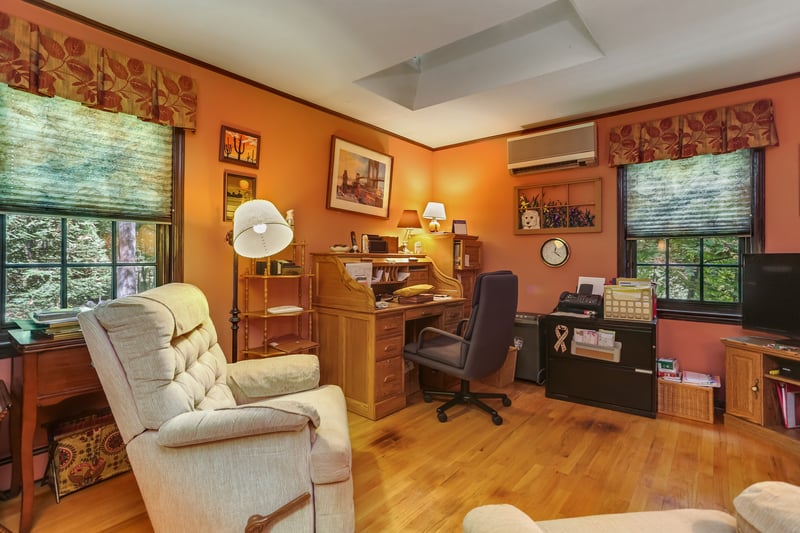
550,458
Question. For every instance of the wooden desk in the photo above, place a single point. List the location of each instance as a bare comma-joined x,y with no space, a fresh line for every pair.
361,347
52,372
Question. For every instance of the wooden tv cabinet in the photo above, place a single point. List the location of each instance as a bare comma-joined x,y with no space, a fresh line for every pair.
751,400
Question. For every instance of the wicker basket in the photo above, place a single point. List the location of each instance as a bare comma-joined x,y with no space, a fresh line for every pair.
686,401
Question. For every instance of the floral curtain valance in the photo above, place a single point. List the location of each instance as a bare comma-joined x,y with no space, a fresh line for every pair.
716,131
47,62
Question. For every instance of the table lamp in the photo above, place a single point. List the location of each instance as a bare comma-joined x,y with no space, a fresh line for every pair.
259,230
409,220
434,212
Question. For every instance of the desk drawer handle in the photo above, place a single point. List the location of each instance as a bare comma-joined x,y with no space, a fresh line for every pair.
389,378
390,348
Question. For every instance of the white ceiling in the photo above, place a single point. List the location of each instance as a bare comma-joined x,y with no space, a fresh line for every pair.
628,53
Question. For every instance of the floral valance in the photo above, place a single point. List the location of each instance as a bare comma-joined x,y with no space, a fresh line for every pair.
50,63
716,131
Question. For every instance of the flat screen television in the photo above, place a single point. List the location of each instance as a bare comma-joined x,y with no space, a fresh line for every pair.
771,294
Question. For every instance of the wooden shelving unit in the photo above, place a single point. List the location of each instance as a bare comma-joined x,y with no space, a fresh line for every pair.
751,399
567,207
280,332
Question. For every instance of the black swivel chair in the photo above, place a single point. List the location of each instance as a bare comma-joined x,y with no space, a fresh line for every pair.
479,349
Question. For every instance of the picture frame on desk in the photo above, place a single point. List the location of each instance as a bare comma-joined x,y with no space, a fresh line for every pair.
460,227
360,179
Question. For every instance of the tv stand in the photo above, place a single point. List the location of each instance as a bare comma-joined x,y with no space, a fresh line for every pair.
751,400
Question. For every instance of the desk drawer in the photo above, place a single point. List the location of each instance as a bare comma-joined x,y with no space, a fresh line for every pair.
425,311
386,325
386,348
388,378
65,371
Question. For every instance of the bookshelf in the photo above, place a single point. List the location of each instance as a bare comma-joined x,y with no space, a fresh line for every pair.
279,316
566,207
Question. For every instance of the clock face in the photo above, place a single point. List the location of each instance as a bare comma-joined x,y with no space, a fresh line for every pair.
555,252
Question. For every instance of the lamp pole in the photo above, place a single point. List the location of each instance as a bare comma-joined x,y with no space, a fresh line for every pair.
234,319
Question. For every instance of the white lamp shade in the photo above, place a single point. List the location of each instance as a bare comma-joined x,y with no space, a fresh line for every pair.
259,230
435,211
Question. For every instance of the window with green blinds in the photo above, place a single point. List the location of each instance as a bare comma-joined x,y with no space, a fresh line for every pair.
61,158
699,196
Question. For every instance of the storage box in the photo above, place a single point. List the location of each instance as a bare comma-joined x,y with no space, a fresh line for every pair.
686,401
628,303
504,376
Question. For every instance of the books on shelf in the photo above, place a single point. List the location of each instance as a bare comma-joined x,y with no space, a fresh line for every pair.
789,400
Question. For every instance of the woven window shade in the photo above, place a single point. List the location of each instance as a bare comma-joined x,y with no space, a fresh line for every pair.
701,196
59,157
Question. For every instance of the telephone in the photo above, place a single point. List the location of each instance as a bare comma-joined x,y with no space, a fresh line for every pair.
573,302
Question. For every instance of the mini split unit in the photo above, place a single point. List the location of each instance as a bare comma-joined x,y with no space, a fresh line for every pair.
569,147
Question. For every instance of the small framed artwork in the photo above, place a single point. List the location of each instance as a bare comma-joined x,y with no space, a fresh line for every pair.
460,227
240,147
360,179
239,188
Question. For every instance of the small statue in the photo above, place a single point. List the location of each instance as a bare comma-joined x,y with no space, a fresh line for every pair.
290,218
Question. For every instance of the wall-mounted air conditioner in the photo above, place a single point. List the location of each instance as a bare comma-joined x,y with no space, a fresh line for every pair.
568,147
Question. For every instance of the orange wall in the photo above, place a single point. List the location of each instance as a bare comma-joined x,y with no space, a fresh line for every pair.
461,171
472,181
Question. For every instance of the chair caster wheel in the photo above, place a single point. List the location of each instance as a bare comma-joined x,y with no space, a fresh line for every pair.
506,402
497,419
427,398
443,417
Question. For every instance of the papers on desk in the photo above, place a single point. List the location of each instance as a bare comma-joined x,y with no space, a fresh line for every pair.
360,271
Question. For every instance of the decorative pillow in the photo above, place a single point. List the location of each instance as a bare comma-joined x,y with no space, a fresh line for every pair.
768,506
254,379
413,290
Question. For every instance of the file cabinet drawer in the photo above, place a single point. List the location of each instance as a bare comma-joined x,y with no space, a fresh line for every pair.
388,378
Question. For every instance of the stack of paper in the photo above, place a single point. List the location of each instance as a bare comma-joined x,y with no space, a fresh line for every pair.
698,378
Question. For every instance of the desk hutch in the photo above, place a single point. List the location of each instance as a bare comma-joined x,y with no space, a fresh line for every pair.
361,347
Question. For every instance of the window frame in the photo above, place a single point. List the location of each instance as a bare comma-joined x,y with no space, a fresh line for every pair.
716,312
169,240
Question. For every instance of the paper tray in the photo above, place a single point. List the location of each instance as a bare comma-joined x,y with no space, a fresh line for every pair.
597,352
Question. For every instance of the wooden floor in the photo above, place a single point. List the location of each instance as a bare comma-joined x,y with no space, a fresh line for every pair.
550,458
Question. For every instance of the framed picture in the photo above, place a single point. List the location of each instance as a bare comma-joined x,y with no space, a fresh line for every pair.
240,147
239,188
360,179
460,227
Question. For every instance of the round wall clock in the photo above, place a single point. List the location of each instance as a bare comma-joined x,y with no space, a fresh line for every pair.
555,252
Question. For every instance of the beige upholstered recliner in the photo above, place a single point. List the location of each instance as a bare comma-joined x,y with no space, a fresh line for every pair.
213,444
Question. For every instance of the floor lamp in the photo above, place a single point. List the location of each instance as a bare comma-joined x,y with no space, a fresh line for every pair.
259,230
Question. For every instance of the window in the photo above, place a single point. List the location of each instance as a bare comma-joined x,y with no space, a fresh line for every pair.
90,205
686,224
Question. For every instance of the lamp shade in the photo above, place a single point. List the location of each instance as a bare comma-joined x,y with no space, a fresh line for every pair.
259,230
409,219
434,211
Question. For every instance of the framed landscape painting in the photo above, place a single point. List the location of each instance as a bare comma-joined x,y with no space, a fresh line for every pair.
360,179
240,147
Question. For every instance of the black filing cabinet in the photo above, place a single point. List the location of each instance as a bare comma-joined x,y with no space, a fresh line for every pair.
623,379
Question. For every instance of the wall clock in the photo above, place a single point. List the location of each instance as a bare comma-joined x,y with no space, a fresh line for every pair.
555,252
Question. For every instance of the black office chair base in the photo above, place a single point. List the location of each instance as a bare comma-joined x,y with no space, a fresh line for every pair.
465,396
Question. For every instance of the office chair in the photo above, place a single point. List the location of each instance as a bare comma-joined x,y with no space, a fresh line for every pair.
479,347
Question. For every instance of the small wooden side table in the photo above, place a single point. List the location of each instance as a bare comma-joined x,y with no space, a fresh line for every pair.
52,372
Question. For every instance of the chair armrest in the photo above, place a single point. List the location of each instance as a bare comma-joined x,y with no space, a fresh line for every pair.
271,416
439,332
254,379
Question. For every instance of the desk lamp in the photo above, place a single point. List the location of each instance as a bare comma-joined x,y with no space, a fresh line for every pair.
434,211
409,220
259,230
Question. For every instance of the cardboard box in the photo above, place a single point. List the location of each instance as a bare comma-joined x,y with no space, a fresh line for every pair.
504,376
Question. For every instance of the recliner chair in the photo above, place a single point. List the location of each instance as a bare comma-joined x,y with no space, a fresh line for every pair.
478,349
217,446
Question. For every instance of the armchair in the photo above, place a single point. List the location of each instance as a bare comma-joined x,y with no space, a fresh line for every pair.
212,444
480,347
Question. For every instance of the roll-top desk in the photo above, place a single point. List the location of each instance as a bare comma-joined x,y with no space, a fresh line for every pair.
361,347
